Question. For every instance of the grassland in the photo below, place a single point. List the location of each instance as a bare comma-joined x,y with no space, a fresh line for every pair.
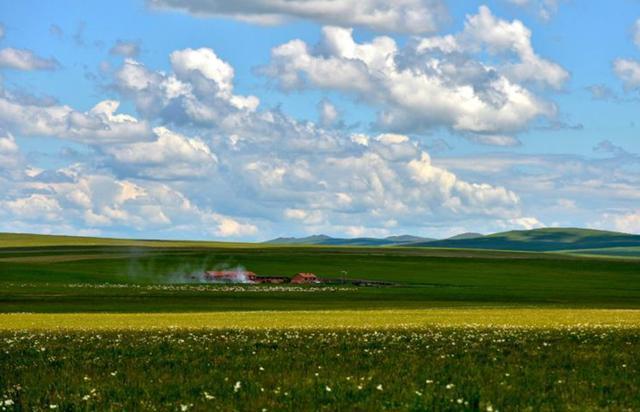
93,324
39,278
436,369
322,319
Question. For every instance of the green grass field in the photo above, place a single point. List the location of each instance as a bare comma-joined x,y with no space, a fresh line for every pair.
94,324
435,369
38,278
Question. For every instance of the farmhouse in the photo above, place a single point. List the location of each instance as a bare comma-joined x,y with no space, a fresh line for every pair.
271,279
230,276
305,278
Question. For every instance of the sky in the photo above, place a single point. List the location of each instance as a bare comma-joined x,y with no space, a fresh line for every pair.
253,119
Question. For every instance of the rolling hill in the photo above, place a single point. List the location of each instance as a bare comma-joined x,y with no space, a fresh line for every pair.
542,240
325,240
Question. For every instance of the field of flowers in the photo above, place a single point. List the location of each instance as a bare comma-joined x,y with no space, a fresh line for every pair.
437,368
535,318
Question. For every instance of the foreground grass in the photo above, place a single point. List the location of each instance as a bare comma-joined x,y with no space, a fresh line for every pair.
452,368
333,320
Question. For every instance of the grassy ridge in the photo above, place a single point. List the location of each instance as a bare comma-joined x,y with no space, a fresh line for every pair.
544,240
25,240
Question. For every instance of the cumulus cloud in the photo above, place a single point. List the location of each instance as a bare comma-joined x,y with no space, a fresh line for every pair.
99,125
240,171
22,59
391,177
328,113
403,16
35,207
125,48
200,91
628,222
170,156
228,227
606,182
11,159
76,197
432,82
485,31
628,71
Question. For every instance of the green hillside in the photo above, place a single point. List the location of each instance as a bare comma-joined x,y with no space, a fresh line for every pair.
543,240
324,240
10,240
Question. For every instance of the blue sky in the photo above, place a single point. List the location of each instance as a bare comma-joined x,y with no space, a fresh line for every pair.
260,118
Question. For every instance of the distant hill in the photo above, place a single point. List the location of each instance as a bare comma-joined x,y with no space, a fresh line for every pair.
467,235
542,240
359,241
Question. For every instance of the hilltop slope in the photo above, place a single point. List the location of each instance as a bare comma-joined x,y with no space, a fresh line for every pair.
542,240
325,240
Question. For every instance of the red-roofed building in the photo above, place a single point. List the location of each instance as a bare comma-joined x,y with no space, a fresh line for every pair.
305,278
230,276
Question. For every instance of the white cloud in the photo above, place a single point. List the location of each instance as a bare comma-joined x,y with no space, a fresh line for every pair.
248,170
200,91
404,16
12,162
308,217
544,8
433,82
527,223
589,186
484,30
227,227
626,222
22,59
328,113
79,197
495,140
171,155
125,48
9,151
35,207
391,178
628,71
98,126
